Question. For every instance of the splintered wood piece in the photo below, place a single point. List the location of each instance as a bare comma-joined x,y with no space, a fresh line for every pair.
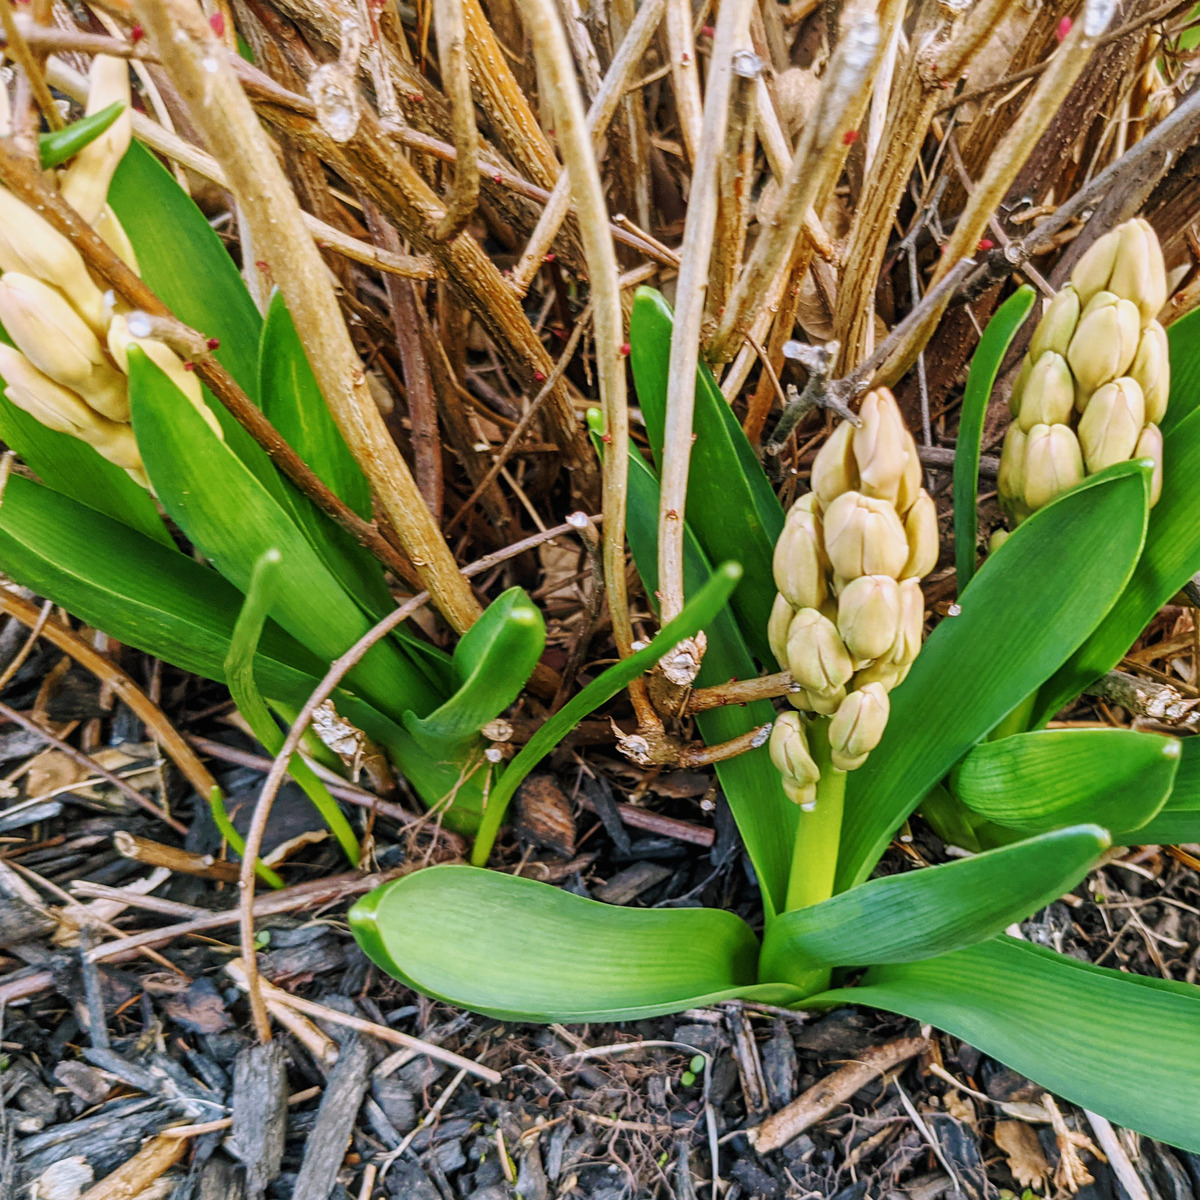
137,1175
260,1100
822,1098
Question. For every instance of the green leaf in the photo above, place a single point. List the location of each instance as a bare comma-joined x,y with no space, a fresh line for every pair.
1179,819
697,613
492,662
765,817
985,365
293,403
170,606
520,950
239,674
232,520
1121,1045
1171,557
934,910
1055,777
1183,347
731,506
56,146
185,263
75,469
1030,605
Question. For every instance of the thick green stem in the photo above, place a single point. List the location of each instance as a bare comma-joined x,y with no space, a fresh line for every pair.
814,860
1017,721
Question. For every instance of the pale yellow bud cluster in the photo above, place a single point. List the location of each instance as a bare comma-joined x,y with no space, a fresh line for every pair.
1094,386
70,366
849,617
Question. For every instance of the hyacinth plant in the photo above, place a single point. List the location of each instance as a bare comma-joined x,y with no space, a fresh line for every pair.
1047,613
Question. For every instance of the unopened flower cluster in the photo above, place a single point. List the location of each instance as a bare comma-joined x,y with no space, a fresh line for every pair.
849,616
69,368
1093,388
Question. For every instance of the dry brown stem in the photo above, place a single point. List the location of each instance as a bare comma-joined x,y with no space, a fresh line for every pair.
451,30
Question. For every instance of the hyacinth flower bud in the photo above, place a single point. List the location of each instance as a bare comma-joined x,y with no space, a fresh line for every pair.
789,750
1018,389
1049,393
881,447
1093,271
824,703
1152,369
55,339
1104,343
1053,463
777,627
921,530
864,536
84,184
1010,478
858,725
113,233
834,470
31,246
1138,272
1055,329
816,654
798,567
869,615
911,627
888,675
1110,428
62,410
1150,445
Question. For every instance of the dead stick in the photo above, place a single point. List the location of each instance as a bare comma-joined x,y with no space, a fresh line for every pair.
155,854
152,1161
822,1098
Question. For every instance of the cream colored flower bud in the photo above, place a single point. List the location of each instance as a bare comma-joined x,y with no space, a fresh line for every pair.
113,233
911,627
1104,343
834,470
798,563
1053,463
1010,478
1018,388
1127,261
910,481
824,703
1110,428
858,725
60,409
869,615
1139,273
1150,445
55,339
816,654
1049,393
863,536
998,538
921,530
777,628
789,750
31,246
1152,369
882,447
84,184
888,675
1055,329
119,342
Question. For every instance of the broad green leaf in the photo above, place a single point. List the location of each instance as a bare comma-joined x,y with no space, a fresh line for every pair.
239,674
491,664
293,403
1030,605
985,365
1055,777
697,614
731,507
1122,1045
1170,558
933,910
185,263
765,817
1179,819
75,469
1183,346
168,605
58,145
520,950
232,519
